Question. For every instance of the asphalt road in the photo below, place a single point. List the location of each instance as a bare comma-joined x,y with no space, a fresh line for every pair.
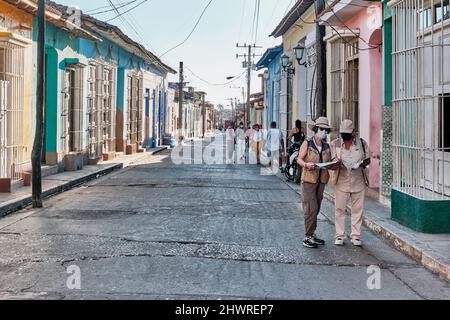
159,230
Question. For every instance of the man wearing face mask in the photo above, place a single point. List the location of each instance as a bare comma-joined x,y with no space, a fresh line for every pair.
349,180
313,151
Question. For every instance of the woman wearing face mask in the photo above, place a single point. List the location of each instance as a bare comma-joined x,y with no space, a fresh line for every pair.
349,180
314,150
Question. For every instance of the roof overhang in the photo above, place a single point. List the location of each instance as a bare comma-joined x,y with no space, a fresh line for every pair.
299,8
341,34
340,11
114,34
54,16
14,39
268,57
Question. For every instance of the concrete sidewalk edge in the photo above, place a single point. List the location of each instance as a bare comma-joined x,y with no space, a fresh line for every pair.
23,202
158,150
400,239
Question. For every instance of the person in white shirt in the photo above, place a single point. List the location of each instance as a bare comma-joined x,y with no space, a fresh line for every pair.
274,146
230,138
257,144
240,142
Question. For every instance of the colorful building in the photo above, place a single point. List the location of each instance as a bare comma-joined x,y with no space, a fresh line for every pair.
95,95
298,85
355,47
271,61
420,112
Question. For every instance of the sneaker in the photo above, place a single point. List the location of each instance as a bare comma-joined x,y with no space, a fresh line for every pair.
309,242
356,242
339,241
320,242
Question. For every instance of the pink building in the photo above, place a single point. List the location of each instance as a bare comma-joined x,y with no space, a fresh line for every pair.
354,65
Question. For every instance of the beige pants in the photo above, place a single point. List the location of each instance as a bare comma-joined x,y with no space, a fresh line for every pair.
230,150
341,200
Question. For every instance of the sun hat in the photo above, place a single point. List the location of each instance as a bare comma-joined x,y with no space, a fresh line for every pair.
321,122
347,127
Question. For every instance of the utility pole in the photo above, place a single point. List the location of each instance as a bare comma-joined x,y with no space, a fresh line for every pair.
321,84
203,115
249,64
180,101
36,155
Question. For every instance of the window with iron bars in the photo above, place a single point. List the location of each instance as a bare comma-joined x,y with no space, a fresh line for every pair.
101,109
11,111
135,101
72,111
421,86
344,82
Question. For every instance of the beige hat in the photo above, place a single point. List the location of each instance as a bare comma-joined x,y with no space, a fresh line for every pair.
321,122
347,126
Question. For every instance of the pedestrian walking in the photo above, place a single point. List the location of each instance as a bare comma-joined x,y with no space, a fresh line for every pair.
274,146
350,180
249,136
240,142
313,152
230,139
256,144
299,135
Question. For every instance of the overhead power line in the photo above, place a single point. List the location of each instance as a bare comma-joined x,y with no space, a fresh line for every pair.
214,84
193,29
94,12
125,12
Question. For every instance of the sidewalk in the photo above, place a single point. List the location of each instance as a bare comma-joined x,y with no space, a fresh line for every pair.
430,250
60,182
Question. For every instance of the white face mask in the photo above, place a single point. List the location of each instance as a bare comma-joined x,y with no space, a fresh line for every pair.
322,134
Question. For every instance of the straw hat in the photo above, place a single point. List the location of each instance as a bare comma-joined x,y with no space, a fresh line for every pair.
347,127
321,122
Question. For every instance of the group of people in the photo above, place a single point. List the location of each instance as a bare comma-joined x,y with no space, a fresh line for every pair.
255,140
342,164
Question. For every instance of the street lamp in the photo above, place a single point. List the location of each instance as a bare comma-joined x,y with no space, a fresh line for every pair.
299,53
287,64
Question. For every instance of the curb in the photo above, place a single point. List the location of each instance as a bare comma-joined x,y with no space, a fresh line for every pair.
405,243
161,149
401,240
23,202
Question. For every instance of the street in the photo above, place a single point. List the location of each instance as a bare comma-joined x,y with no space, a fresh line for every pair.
158,230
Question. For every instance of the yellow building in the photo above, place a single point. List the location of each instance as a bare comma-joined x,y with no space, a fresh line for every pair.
298,27
16,94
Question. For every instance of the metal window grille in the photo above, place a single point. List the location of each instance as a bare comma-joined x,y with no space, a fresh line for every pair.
351,93
11,111
421,88
109,114
72,111
139,108
337,76
101,109
134,119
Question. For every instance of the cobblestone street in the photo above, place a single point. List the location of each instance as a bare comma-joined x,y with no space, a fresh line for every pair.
157,230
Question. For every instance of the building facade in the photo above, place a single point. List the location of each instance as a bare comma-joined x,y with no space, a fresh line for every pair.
355,45
271,61
420,113
16,94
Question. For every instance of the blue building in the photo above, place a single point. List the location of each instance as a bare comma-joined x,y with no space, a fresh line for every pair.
271,61
100,87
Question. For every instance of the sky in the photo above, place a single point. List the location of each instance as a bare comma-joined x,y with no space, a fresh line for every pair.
210,53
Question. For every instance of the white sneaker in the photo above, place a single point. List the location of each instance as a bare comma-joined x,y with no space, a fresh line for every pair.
339,241
356,242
